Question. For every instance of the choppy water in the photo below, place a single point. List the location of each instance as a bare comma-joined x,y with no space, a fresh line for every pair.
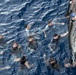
14,14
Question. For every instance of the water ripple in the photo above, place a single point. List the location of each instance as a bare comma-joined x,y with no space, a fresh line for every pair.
14,14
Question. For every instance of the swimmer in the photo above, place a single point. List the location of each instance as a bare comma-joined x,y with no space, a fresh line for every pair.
53,64
28,31
27,27
55,40
68,63
72,16
23,61
16,48
32,43
47,27
50,23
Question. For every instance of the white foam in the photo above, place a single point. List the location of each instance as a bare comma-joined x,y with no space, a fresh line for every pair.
3,68
1,52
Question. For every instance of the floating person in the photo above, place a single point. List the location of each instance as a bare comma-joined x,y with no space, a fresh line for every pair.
2,41
23,62
50,23
32,43
28,31
16,48
55,41
69,63
54,64
27,27
71,15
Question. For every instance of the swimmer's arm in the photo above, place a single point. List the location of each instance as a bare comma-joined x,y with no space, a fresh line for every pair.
17,60
27,65
58,23
63,35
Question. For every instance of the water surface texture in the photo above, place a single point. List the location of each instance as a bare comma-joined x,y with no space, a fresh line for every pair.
14,14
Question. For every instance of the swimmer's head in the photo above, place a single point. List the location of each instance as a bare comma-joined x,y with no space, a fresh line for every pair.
49,23
30,38
1,36
55,36
15,45
27,26
23,58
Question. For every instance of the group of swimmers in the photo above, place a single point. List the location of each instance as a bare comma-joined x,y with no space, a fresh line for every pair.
32,43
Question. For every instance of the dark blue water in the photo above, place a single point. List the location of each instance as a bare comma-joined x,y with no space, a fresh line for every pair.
14,14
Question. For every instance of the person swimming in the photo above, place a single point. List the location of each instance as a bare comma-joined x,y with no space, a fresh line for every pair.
23,62
54,64
27,27
55,40
47,27
16,48
68,63
71,15
32,43
49,24
28,31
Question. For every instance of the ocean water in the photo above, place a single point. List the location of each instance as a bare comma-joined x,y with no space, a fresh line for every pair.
14,14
